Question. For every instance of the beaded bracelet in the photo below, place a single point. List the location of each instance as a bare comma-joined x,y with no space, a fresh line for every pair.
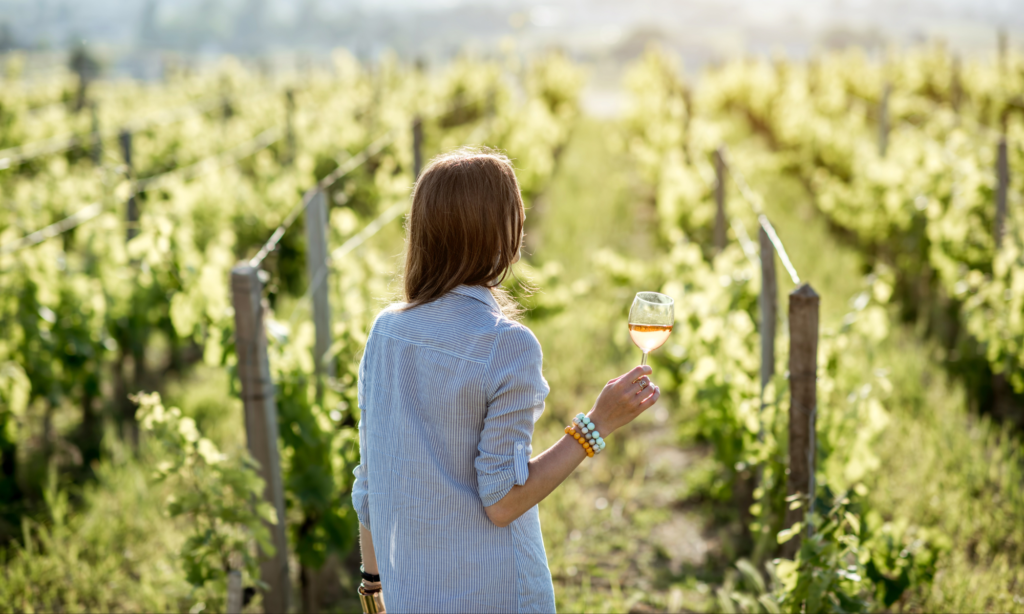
588,435
586,446
589,430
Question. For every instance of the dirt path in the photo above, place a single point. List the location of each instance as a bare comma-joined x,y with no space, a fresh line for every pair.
625,532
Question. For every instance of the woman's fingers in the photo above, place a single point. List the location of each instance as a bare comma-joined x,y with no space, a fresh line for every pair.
651,400
636,373
620,401
641,384
631,376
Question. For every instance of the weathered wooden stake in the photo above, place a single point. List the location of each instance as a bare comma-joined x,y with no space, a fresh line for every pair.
1003,43
720,171
373,112
1002,185
417,146
883,121
803,363
955,85
97,140
769,310
261,421
81,97
316,266
289,96
234,605
132,213
226,110
687,117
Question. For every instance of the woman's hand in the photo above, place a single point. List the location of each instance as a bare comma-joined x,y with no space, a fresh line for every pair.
623,399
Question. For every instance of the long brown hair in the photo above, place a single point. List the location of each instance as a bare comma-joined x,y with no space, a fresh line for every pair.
466,227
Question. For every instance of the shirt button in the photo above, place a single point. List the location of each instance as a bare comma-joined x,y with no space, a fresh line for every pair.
519,447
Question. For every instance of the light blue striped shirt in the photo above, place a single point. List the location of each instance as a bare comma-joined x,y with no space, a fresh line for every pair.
449,393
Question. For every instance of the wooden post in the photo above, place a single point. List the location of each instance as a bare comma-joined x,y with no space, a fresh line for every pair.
316,266
955,85
720,171
132,213
687,95
290,124
803,363
883,121
261,421
81,67
1002,44
234,605
417,146
226,110
1002,185
373,116
769,310
97,140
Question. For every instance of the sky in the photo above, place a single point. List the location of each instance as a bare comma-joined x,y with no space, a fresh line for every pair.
131,35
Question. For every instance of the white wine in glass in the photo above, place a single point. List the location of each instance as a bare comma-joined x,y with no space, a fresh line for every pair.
650,321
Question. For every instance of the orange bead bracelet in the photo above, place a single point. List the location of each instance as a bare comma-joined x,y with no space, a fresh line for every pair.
586,446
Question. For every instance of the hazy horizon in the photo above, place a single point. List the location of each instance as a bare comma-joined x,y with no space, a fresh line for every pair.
135,37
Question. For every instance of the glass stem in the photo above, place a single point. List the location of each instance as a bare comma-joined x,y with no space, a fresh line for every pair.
643,361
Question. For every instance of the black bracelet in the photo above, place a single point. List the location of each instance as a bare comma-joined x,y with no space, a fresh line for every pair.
369,577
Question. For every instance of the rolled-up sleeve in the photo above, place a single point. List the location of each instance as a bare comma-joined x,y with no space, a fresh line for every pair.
514,404
361,487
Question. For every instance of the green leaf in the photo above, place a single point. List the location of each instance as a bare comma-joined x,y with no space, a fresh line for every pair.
262,536
787,534
786,572
267,512
188,430
770,604
816,593
725,601
751,575
854,522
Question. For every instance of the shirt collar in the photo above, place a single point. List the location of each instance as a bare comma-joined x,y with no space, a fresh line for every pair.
480,293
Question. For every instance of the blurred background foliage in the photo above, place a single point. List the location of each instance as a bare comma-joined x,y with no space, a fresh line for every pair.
116,502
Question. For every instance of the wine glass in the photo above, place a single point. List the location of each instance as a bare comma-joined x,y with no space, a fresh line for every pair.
650,321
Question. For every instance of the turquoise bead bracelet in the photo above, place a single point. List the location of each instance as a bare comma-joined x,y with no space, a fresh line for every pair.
589,431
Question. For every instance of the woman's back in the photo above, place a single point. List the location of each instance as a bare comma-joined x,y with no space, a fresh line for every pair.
449,393
450,389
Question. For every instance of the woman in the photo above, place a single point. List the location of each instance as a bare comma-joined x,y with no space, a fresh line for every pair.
450,387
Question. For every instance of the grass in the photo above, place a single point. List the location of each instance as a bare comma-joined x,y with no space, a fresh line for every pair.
116,553
954,478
